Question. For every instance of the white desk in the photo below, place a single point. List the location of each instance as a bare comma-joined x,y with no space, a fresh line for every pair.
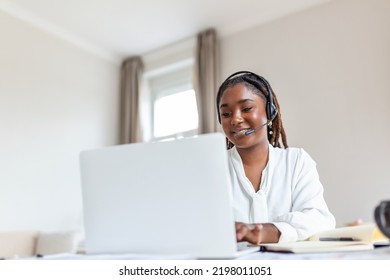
382,253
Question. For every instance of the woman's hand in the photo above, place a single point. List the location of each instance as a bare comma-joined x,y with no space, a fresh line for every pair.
257,233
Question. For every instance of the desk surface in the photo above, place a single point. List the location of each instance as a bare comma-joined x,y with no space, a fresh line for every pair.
382,253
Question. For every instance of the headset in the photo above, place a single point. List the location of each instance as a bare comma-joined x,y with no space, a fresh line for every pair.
271,109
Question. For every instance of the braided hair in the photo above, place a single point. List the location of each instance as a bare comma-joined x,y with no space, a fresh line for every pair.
276,133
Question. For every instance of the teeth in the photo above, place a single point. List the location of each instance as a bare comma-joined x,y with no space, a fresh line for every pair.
240,133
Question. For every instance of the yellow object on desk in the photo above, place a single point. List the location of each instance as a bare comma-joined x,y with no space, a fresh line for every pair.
378,236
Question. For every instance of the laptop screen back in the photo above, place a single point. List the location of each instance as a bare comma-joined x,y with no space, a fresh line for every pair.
159,198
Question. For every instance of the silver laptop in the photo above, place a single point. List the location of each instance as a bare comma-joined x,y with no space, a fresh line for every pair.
170,198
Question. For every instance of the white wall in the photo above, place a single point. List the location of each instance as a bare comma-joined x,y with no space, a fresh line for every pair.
55,100
330,68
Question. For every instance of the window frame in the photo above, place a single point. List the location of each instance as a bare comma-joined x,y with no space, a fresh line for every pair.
177,135
169,81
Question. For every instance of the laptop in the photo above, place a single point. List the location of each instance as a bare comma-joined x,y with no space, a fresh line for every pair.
161,198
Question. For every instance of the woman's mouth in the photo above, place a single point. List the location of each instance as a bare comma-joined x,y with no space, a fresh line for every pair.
240,133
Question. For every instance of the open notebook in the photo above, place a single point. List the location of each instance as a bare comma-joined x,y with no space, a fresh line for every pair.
162,198
352,238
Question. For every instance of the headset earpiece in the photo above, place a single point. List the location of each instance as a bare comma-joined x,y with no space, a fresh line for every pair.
272,111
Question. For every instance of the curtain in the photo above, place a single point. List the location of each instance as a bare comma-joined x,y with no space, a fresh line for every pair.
131,81
205,80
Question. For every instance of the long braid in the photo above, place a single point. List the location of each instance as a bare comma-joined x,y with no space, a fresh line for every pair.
277,128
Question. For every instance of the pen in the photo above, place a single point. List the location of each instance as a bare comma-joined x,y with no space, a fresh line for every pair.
339,239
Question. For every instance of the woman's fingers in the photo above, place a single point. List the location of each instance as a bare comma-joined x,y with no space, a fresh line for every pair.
250,233
241,231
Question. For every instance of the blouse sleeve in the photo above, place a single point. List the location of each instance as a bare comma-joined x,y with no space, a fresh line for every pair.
309,213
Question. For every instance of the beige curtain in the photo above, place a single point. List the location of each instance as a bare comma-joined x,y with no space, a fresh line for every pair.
131,81
205,79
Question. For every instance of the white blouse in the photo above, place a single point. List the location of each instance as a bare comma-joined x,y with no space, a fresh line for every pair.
290,194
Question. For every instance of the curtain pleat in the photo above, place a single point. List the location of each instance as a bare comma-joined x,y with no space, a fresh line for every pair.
131,81
205,79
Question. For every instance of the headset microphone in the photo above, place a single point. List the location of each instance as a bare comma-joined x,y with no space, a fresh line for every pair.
251,131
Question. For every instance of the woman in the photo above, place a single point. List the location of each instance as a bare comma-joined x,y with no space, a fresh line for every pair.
278,196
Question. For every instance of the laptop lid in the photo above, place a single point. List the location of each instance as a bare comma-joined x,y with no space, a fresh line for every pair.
169,197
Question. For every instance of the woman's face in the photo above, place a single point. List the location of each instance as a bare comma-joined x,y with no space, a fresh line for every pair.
242,110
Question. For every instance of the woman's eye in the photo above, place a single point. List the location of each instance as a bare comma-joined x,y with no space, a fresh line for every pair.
225,115
247,109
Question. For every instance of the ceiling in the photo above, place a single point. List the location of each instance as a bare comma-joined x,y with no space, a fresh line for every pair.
120,28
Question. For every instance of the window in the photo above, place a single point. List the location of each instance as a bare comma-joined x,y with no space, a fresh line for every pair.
175,114
173,106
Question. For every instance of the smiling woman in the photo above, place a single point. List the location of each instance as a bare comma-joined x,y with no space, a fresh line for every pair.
277,194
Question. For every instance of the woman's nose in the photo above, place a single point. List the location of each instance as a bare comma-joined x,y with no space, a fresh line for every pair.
236,118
